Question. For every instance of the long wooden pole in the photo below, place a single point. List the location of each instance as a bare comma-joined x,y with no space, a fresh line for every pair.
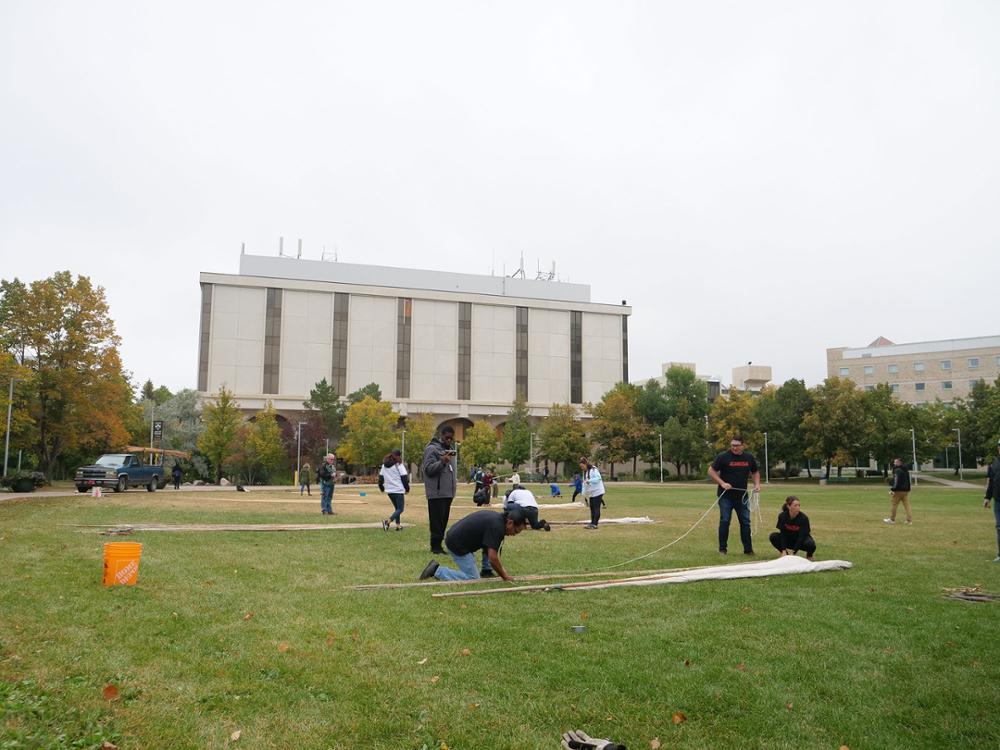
550,586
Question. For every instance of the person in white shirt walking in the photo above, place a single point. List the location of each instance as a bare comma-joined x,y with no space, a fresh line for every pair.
593,490
393,480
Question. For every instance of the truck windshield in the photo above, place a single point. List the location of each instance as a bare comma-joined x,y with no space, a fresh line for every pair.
111,459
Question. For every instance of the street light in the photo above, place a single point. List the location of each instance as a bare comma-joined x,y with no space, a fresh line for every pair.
767,473
661,457
961,475
913,442
298,454
6,446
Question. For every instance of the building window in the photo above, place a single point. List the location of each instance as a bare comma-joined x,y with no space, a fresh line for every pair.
946,385
272,340
869,370
341,313
521,355
845,371
893,369
920,386
404,325
464,350
894,387
945,364
869,388
973,363
203,339
974,382
576,357
624,348
918,366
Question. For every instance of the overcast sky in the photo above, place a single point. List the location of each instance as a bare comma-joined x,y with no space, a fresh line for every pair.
760,180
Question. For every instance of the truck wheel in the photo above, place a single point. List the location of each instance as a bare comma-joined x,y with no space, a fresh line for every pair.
151,487
81,489
122,484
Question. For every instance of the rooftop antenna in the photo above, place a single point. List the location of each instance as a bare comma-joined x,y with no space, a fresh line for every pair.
493,263
281,246
300,248
243,248
519,273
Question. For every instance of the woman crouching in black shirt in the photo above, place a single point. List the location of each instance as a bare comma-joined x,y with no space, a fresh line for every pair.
793,530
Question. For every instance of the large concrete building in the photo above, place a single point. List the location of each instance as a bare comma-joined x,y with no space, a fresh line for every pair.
922,371
459,346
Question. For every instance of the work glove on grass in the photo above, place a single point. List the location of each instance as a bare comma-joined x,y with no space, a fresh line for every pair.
577,740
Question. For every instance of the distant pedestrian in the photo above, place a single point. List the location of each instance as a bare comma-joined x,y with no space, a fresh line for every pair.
483,530
327,477
554,490
899,491
732,471
176,474
545,474
593,490
577,487
793,532
993,492
438,468
305,479
393,481
515,478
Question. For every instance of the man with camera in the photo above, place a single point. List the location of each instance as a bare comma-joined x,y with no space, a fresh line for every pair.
438,467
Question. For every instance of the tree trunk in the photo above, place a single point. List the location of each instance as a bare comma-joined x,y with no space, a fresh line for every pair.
612,470
828,462
634,465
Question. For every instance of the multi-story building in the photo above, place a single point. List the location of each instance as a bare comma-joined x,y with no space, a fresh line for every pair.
921,371
749,377
459,346
713,382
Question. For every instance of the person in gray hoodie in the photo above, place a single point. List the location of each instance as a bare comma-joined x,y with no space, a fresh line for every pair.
438,467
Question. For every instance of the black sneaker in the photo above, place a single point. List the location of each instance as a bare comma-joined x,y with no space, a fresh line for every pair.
749,554
429,570
385,525
487,574
437,551
723,552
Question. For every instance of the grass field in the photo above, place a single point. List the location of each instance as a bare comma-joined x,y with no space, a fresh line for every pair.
255,633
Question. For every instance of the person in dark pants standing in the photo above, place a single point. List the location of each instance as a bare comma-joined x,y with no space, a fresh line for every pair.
438,467
305,480
593,491
900,491
993,492
732,471
793,532
176,475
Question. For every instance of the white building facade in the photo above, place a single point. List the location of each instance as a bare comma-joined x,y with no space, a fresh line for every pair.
459,346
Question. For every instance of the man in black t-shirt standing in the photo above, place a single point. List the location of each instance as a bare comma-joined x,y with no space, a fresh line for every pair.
732,471
483,530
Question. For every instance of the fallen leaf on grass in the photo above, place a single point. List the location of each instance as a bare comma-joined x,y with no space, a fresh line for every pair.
110,692
466,652
236,735
282,647
329,640
746,610
687,662
584,615
679,717
741,666
976,664
108,745
789,705
434,679
654,744
474,705
844,747
462,606
422,661
248,616
889,651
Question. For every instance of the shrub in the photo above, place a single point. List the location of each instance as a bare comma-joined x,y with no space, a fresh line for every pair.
37,477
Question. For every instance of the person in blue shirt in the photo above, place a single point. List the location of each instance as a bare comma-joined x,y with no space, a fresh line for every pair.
554,490
577,487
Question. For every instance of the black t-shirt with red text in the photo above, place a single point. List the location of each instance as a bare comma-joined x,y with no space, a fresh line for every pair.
794,531
735,470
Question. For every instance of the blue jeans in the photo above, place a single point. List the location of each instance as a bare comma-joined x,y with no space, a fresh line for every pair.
326,497
397,503
466,568
726,507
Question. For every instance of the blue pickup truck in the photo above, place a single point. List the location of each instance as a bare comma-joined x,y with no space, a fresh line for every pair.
120,471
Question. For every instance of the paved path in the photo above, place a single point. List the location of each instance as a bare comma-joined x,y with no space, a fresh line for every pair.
949,482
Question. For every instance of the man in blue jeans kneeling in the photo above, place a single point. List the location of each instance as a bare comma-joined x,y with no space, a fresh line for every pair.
483,530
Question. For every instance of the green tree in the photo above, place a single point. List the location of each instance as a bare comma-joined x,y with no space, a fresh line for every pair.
684,444
419,431
371,391
182,426
618,428
561,437
516,445
480,445
324,401
835,429
222,420
369,432
264,449
888,422
735,414
61,334
780,412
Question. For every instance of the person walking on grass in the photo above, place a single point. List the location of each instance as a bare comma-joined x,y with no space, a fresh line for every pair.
483,530
732,471
793,532
593,490
176,474
899,491
993,492
577,487
327,477
393,481
438,467
305,480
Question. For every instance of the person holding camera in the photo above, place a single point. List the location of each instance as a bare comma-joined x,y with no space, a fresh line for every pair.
440,483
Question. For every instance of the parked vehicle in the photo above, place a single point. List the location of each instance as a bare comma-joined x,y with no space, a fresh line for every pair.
120,471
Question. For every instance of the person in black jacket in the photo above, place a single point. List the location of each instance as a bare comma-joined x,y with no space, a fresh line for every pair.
793,530
993,493
326,474
900,491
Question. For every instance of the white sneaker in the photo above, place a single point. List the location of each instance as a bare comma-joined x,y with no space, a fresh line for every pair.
996,559
887,520
909,523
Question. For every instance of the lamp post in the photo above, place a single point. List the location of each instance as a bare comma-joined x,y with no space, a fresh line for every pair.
913,442
661,457
961,474
402,447
6,445
298,454
767,473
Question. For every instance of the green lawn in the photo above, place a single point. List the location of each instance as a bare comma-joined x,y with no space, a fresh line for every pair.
255,632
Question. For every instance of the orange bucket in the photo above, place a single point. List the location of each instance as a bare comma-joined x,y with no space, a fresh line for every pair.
121,563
